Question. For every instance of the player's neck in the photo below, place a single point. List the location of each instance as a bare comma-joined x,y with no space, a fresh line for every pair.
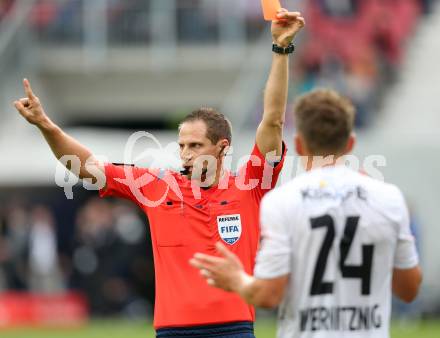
311,162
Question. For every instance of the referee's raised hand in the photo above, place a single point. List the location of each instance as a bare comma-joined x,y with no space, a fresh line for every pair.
287,25
30,107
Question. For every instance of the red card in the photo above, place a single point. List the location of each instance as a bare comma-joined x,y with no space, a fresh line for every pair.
270,8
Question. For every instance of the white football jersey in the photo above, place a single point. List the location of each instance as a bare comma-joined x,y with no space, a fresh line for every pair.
338,234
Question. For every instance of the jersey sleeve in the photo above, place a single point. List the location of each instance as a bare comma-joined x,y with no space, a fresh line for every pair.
126,181
264,172
406,256
274,257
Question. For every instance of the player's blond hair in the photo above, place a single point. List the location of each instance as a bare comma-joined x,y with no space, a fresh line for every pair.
325,120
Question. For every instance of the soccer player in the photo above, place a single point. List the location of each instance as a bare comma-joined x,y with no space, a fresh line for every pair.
182,223
335,243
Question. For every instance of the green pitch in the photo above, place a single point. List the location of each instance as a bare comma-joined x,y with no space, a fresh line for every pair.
128,329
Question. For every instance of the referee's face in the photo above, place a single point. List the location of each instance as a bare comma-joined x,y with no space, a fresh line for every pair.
193,143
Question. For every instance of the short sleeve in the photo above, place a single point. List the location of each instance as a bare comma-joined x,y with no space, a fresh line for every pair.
274,257
406,256
125,181
261,170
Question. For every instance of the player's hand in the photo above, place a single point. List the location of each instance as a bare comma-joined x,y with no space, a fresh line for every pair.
286,27
225,272
30,107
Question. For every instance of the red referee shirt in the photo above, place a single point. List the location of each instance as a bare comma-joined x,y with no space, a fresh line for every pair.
184,221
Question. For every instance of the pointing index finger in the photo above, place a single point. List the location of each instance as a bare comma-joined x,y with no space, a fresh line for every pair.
28,89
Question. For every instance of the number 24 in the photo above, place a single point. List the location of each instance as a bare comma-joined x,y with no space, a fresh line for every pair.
363,271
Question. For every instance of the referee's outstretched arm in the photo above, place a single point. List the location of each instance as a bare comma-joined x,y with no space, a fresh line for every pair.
270,131
61,144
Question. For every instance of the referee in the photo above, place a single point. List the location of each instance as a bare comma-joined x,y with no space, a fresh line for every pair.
335,243
182,223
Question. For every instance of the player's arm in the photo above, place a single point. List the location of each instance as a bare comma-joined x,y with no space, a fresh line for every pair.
61,144
266,293
226,272
270,131
406,283
407,274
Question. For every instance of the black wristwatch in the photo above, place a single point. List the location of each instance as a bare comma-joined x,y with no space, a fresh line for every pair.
283,50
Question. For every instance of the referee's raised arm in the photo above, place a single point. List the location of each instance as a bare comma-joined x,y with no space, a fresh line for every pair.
270,131
61,144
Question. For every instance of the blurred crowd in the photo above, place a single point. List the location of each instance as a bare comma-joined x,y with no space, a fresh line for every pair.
129,21
354,46
198,20
5,7
105,255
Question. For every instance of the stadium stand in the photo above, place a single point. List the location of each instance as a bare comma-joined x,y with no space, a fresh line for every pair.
358,47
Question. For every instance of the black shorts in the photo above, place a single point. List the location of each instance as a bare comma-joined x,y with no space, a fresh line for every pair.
229,330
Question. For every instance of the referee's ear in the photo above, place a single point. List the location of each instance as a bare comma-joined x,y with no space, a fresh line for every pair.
224,146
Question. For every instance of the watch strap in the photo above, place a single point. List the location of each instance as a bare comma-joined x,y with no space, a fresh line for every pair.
283,50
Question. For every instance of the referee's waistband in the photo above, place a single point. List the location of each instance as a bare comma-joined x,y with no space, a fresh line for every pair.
206,330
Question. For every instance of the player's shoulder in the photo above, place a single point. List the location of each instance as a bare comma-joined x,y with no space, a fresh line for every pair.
379,189
385,198
288,194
